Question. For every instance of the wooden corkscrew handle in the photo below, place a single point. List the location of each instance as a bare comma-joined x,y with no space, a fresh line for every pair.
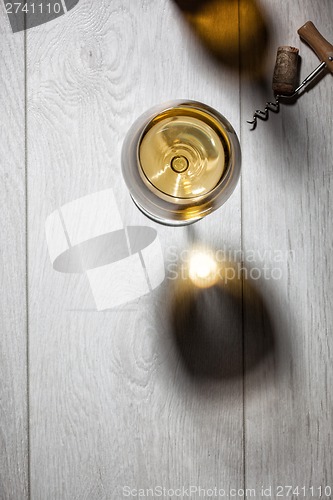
318,43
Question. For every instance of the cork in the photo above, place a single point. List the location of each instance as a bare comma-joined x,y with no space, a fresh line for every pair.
286,71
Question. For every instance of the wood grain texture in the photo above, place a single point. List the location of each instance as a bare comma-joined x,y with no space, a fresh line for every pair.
13,338
286,208
113,401
119,398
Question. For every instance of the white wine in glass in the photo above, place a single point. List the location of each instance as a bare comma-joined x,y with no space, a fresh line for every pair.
180,161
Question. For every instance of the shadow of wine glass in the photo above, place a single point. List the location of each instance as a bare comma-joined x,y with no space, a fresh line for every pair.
235,32
214,327
219,323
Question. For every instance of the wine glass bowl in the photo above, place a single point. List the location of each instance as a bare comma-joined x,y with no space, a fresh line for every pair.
180,161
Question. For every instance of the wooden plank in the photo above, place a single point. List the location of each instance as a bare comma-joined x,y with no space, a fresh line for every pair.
286,206
13,340
112,402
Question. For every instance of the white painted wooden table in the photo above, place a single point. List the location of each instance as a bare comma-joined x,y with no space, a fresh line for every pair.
94,402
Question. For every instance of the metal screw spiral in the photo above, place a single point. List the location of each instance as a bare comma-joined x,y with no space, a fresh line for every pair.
263,115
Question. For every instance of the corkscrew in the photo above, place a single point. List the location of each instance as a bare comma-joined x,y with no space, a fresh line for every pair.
286,70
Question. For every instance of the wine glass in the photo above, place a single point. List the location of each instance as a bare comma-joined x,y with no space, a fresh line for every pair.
180,161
